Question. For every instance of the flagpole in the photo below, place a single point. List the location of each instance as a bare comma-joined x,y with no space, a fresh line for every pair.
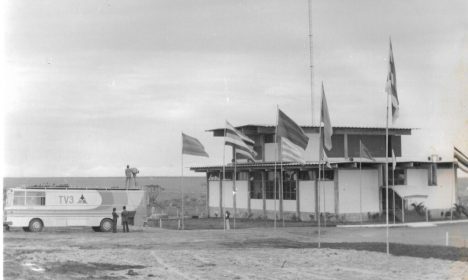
234,186
223,179
393,193
386,179
276,159
182,183
360,180
311,60
319,164
324,199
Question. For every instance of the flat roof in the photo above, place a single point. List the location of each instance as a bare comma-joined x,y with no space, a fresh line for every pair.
270,129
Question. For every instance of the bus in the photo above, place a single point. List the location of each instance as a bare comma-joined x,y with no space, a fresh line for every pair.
34,208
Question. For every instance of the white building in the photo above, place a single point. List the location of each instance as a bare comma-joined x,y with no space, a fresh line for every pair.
352,189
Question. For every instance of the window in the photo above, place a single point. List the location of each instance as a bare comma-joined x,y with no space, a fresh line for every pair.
255,182
327,175
269,138
20,198
244,176
270,190
213,176
35,198
432,175
289,185
398,178
306,175
228,175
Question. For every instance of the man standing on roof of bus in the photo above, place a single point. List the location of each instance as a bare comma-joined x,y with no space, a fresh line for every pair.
124,215
128,175
115,216
135,171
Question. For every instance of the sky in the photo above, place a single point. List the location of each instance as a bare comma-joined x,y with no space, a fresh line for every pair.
91,86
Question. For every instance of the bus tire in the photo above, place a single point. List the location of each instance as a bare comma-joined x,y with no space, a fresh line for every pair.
96,229
106,225
36,225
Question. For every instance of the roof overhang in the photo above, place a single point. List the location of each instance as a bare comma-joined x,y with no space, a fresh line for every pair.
360,130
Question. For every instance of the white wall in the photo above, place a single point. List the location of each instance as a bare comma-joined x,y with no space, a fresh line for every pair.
416,177
270,205
327,196
289,205
213,192
443,195
256,204
242,194
227,194
307,196
349,191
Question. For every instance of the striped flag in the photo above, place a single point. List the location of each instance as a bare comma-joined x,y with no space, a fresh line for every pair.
291,152
391,87
393,160
289,129
191,146
325,119
364,152
243,145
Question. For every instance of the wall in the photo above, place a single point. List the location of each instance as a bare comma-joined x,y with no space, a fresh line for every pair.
256,204
213,187
327,196
349,182
307,196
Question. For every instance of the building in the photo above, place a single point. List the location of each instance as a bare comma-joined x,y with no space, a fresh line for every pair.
351,188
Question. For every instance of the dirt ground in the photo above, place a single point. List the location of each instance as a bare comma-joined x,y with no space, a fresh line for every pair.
257,253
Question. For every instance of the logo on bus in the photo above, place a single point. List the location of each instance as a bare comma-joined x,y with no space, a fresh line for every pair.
82,200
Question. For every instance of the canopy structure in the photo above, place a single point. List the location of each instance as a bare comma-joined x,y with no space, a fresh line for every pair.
407,192
461,159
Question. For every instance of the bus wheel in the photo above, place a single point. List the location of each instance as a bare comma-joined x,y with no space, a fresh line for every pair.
96,229
106,225
35,225
26,229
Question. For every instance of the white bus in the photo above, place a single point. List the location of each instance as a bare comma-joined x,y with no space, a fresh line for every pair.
35,208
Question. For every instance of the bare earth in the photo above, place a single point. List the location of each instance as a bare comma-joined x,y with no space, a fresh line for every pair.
261,253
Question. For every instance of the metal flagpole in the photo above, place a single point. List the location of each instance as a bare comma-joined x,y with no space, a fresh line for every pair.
234,186
276,159
386,179
311,60
393,194
281,185
223,179
360,180
320,155
324,205
182,183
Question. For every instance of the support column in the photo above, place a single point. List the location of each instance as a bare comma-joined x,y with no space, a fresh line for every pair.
298,194
337,192
316,195
221,195
264,193
207,195
249,191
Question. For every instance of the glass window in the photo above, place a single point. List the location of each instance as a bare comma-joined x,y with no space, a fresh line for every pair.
327,175
432,175
270,190
398,178
244,176
19,198
289,185
306,175
35,198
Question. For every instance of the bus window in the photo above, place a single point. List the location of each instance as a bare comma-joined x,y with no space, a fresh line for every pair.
20,198
35,198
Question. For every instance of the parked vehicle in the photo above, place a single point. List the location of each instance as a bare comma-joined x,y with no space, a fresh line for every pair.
34,208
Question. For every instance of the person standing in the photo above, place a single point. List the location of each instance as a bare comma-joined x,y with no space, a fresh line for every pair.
135,171
227,216
128,176
124,215
115,217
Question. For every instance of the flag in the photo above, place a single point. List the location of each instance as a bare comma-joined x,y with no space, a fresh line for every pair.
291,151
364,152
243,145
325,118
393,160
325,158
191,146
391,87
289,129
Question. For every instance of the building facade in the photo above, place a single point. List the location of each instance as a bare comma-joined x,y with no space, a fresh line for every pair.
350,188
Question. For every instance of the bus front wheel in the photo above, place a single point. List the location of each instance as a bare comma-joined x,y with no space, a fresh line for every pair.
36,225
106,225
